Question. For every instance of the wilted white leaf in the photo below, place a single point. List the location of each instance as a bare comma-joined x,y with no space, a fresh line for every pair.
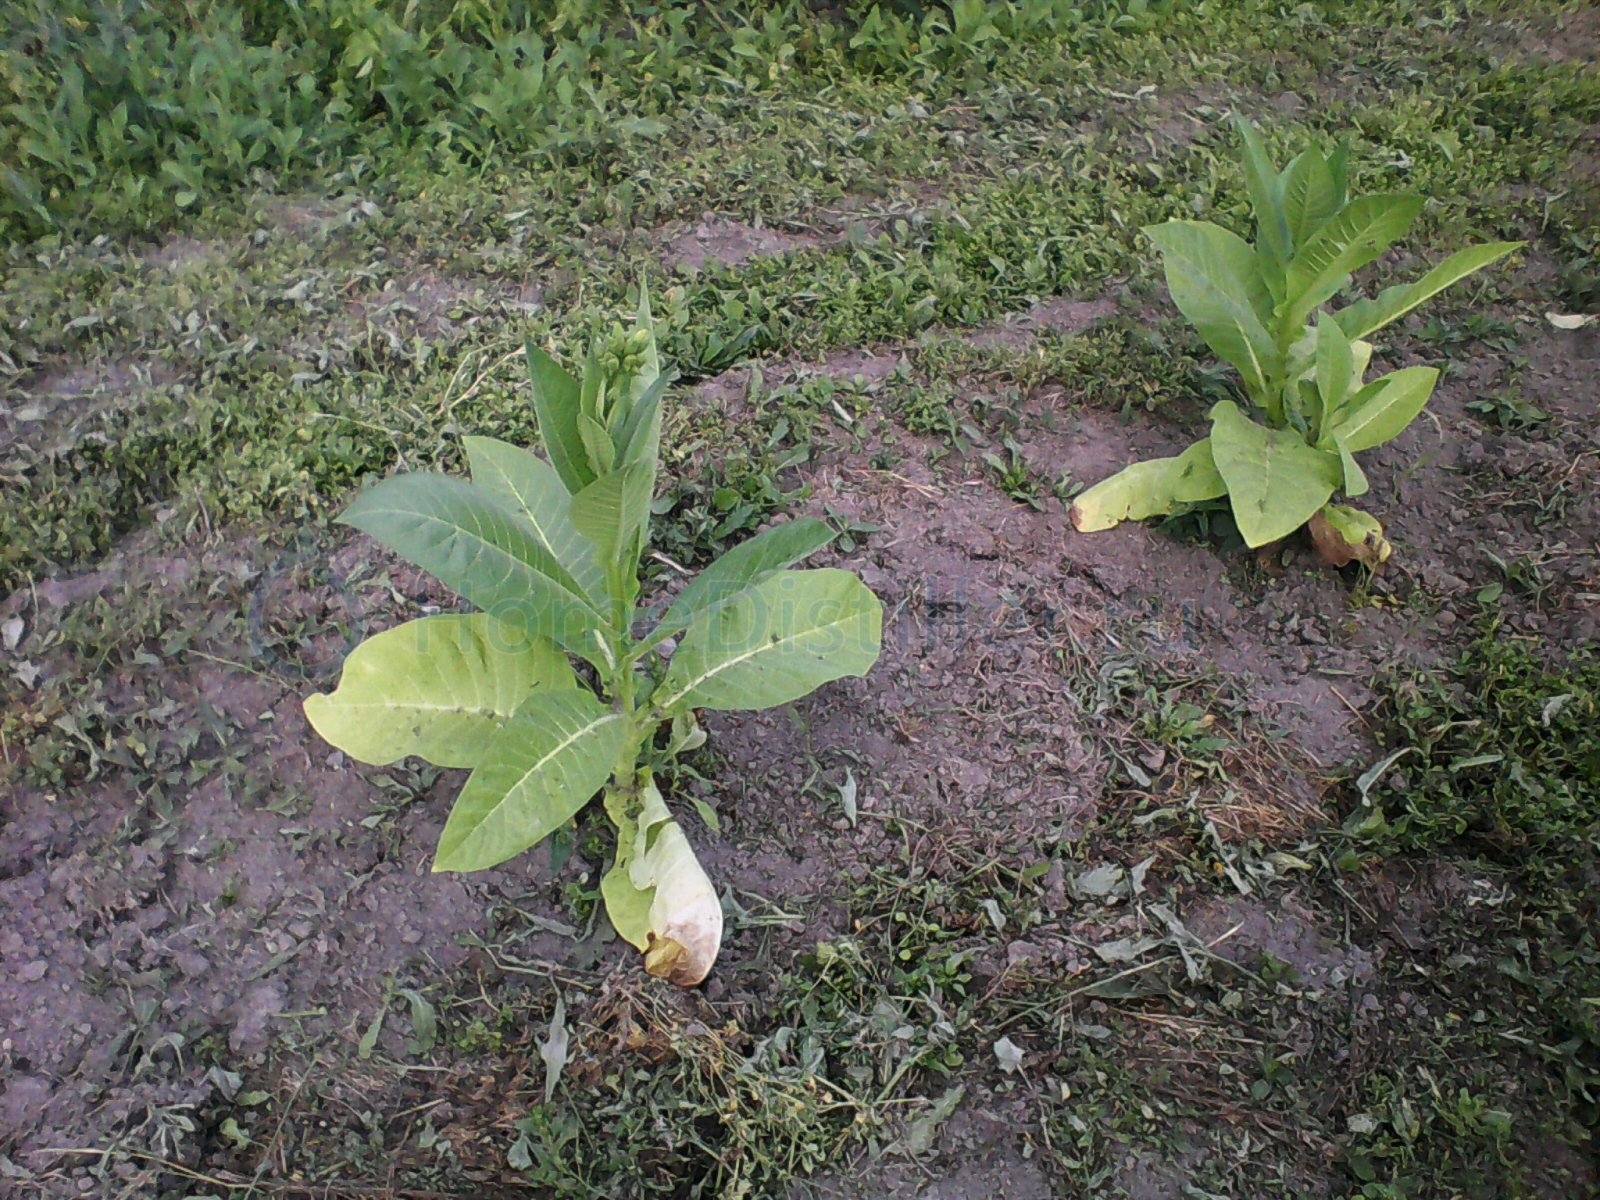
11,633
1101,881
1009,1055
1570,321
554,1050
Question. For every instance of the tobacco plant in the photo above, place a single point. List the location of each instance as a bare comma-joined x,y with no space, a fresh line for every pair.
549,551
1309,406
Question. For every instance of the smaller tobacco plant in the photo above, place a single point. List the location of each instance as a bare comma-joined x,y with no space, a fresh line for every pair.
550,552
1310,408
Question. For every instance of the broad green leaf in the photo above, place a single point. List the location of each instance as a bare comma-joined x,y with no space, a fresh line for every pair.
1214,280
1359,234
651,370
464,537
1275,481
533,488
437,688
1266,198
1134,493
1149,489
1195,476
627,905
541,768
1366,316
1355,479
1309,196
776,642
600,451
555,403
745,565
1381,411
1335,364
612,511
640,436
1360,360
1339,171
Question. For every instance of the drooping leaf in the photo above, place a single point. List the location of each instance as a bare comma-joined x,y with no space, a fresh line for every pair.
542,766
658,896
1366,316
775,642
1380,412
464,537
1275,481
746,564
1354,478
1365,229
611,512
1139,491
1343,535
1149,489
533,488
1310,197
555,403
1195,476
1215,281
438,688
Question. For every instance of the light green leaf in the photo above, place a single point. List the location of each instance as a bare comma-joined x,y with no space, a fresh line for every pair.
1215,281
1334,366
1366,316
533,488
1365,229
555,403
1310,198
542,767
1380,412
1134,493
1195,476
1149,489
1266,198
1275,481
438,688
640,435
746,564
776,642
463,536
1355,479
1360,360
651,369
599,450
612,511
627,905
1339,171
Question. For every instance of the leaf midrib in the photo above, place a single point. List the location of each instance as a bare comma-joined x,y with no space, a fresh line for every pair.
749,654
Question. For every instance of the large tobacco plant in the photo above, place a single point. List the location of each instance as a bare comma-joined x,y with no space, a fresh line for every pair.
549,551
1309,407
